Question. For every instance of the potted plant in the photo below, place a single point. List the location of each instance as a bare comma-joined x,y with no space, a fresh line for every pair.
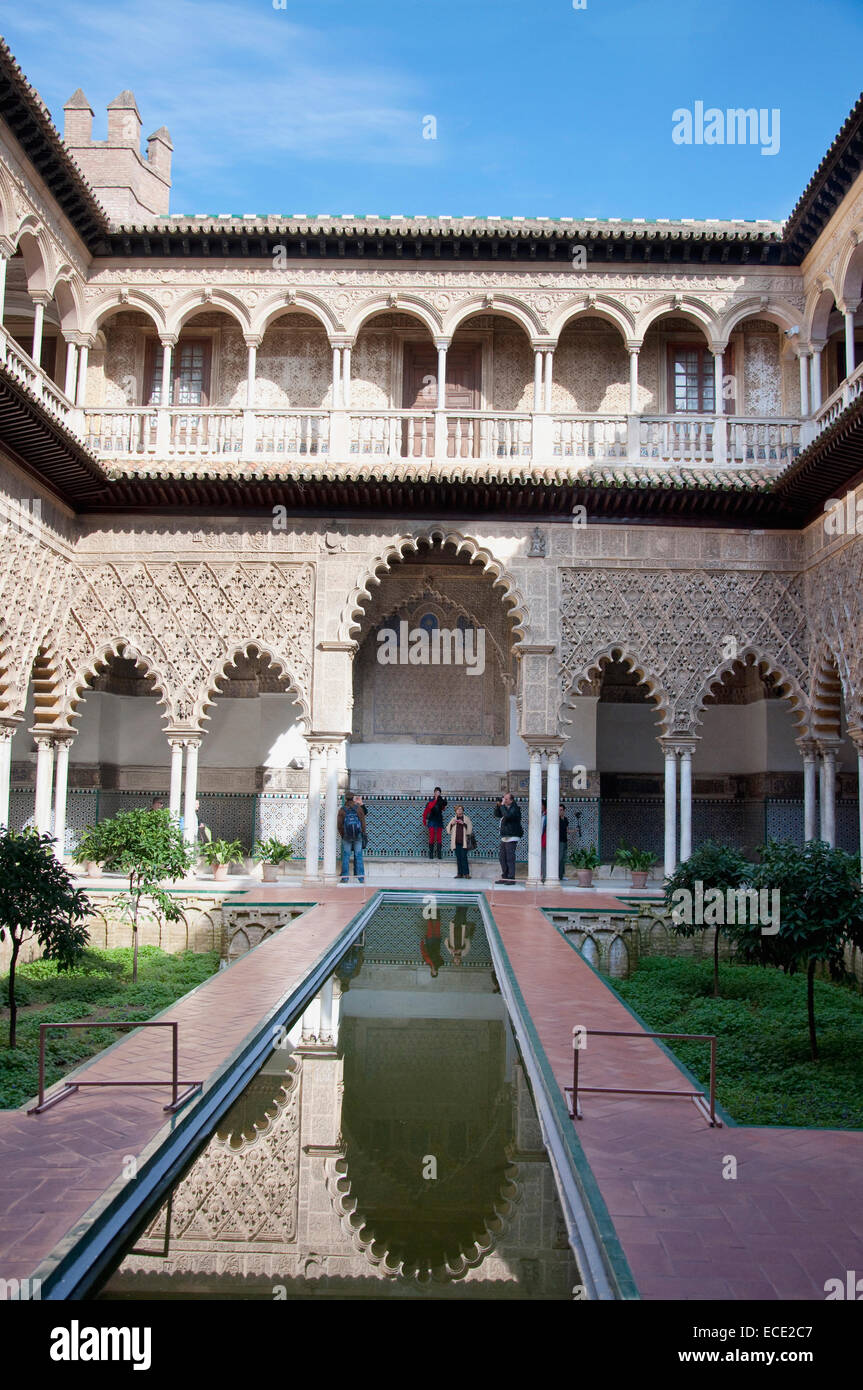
639,862
584,860
272,854
84,856
220,854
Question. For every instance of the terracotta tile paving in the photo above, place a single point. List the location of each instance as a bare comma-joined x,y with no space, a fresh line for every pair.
55,1166
788,1222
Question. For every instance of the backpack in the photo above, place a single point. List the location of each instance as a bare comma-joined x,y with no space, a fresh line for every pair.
352,827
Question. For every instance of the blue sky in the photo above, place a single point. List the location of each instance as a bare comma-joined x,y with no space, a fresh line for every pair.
541,110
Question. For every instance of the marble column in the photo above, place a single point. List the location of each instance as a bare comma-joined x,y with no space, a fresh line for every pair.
552,823
633,380
81,393
61,782
337,378
850,364
685,803
804,384
44,780
670,857
547,380
537,379
808,749
346,376
534,818
176,794
313,812
3,260
441,376
816,379
7,732
71,370
190,815
38,324
332,870
828,797
252,345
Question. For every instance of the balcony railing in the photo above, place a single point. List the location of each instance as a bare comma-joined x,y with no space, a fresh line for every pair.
20,365
840,400
273,435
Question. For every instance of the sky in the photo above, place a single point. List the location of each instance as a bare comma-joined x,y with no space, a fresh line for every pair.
535,109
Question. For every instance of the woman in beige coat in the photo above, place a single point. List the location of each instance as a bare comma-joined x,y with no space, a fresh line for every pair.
459,829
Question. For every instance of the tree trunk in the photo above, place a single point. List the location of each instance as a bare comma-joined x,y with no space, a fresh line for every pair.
716,964
134,935
13,1007
810,1007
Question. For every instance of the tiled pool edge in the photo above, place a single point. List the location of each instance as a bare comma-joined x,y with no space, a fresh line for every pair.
595,1240
80,1258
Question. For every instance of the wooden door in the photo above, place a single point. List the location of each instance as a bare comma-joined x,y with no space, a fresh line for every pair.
463,377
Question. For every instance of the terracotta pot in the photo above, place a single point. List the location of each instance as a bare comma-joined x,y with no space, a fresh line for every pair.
639,877
585,877
220,872
270,873
94,870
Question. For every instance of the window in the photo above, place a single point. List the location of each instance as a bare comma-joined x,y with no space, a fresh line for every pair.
429,623
190,369
690,379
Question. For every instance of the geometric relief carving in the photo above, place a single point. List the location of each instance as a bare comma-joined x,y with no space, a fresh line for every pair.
674,627
186,621
33,589
244,1186
835,602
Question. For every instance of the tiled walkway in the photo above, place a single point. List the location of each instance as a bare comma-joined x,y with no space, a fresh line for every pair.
792,1218
54,1166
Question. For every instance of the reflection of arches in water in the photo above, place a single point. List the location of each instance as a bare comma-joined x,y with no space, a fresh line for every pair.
590,951
433,1090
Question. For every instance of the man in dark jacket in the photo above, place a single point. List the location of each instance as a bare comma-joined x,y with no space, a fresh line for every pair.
351,823
508,813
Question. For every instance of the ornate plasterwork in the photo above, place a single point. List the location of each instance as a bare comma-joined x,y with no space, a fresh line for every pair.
184,623
834,590
682,630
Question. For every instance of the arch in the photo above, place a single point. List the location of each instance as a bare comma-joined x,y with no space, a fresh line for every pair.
615,652
820,304
207,301
751,655
355,1225
66,297
351,620
696,310
32,242
273,309
506,305
394,304
777,311
828,696
7,204
602,306
849,277
218,671
98,660
122,301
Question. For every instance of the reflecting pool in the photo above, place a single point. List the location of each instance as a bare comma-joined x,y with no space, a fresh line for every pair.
387,1148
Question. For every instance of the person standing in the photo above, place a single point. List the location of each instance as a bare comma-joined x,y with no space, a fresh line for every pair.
563,832
351,823
433,821
542,842
459,829
508,813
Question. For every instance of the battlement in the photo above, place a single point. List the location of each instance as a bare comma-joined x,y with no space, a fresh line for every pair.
131,188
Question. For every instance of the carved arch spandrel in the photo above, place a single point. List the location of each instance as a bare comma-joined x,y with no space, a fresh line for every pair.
766,666
352,614
616,651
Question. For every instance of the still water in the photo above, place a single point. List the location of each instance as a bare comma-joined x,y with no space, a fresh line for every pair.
387,1148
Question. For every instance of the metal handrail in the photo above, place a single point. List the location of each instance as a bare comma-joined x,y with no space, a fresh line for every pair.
179,1098
708,1111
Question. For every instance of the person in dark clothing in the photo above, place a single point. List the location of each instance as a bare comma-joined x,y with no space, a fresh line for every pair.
563,832
351,825
433,821
430,947
508,813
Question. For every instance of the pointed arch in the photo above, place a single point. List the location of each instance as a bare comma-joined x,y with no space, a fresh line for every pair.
752,655
210,694
593,670
97,662
355,607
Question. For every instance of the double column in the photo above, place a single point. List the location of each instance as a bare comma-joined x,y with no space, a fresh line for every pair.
184,789
828,749
551,751
326,756
52,780
677,750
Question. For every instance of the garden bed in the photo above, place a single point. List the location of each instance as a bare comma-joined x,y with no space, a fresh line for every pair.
99,988
764,1072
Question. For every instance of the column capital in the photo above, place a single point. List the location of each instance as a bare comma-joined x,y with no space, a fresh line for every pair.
442,344
40,297
341,340
42,738
8,727
829,747
169,339
678,743
634,346
808,746
253,340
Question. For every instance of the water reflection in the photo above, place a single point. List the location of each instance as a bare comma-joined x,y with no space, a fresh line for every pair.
390,1148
